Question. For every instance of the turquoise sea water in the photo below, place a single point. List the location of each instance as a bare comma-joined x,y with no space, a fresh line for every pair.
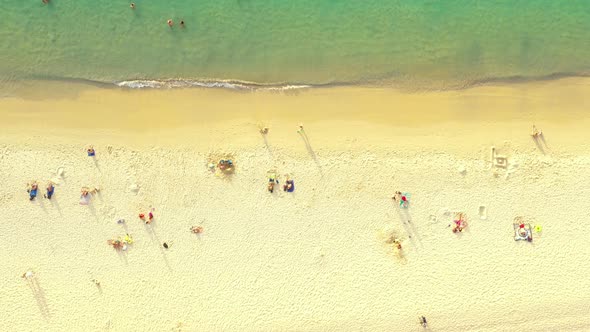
434,43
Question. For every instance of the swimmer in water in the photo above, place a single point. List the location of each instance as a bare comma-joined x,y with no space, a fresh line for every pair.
132,6
170,23
182,24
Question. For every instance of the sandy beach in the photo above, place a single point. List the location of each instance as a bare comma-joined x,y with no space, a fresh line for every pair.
316,259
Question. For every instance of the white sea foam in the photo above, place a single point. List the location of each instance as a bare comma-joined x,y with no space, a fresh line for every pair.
168,84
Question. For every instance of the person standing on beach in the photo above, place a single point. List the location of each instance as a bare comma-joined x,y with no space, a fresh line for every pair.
423,322
50,190
32,190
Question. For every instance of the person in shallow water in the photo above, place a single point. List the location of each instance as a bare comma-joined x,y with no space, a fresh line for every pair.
170,23
182,24
132,5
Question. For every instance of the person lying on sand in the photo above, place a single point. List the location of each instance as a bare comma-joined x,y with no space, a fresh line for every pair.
86,194
225,165
197,229
32,190
401,198
117,244
460,222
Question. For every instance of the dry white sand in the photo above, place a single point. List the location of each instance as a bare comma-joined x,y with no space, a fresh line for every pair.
312,260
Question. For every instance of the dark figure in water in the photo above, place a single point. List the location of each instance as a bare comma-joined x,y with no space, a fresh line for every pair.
423,322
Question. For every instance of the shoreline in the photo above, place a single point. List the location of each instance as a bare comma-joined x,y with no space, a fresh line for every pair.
356,115
309,260
245,86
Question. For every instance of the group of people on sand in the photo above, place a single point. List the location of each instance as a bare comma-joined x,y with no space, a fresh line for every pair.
85,194
289,185
150,217
33,188
121,243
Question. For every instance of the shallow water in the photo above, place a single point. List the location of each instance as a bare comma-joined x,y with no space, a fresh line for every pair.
392,42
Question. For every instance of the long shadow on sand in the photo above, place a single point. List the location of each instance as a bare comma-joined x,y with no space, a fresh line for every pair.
410,228
268,148
39,295
539,145
154,236
312,153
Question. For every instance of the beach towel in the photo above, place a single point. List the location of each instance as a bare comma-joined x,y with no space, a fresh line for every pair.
84,200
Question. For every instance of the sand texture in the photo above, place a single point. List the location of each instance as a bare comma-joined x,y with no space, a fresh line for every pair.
320,258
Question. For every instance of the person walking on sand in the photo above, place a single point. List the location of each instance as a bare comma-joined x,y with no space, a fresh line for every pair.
91,152
32,190
28,275
300,130
50,190
423,322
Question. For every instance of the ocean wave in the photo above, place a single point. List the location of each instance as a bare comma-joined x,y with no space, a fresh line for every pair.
233,85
